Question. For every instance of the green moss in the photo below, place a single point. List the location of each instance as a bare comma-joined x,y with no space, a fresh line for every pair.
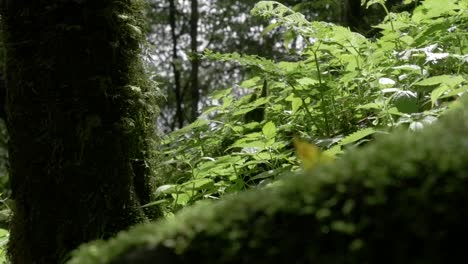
81,122
399,200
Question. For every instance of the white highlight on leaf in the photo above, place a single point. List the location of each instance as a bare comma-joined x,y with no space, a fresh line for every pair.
434,57
386,82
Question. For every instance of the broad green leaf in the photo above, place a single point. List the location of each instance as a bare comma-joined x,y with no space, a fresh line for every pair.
434,8
220,94
259,144
164,189
405,102
263,156
251,106
438,92
371,106
269,130
372,2
356,136
296,103
181,198
306,81
456,92
333,151
269,28
197,184
449,80
197,124
252,82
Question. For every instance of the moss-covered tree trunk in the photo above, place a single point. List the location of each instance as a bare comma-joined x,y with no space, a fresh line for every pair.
81,123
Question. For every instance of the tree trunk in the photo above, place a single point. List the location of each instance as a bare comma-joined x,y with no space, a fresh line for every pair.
194,89
81,119
176,67
354,16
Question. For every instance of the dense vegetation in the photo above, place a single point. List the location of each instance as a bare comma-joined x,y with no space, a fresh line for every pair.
328,89
397,200
339,90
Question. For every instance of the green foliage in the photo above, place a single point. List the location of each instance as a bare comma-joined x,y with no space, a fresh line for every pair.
337,89
4,234
396,200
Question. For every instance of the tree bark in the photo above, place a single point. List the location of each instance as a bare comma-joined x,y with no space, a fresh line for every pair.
354,15
194,88
81,121
176,68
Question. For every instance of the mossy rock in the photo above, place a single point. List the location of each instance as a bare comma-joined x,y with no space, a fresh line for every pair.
400,199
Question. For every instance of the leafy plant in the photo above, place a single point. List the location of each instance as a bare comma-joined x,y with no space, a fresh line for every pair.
336,89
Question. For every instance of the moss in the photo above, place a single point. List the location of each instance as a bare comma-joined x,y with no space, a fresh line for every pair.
81,120
398,200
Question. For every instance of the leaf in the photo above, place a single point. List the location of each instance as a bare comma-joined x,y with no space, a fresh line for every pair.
252,82
357,136
372,2
242,143
371,106
154,203
333,151
406,102
198,123
456,92
197,184
164,189
306,81
269,28
269,130
434,8
449,80
438,92
251,106
296,103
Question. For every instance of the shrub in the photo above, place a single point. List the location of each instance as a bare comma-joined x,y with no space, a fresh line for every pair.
397,200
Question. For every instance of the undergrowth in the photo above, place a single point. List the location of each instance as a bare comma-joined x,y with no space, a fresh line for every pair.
336,89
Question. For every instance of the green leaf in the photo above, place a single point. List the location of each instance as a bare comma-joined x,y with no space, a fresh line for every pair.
269,130
306,81
164,189
181,198
251,106
154,203
197,124
242,143
406,102
438,92
252,82
269,28
296,103
371,106
197,184
434,8
372,2
354,137
456,92
220,94
449,80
